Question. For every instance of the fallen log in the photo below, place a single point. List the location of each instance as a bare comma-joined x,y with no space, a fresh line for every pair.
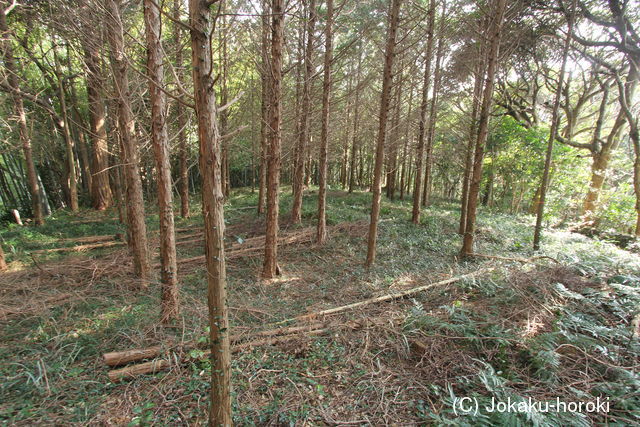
158,365
133,371
116,358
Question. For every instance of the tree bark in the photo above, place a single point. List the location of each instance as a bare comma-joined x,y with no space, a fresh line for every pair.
356,118
224,99
181,117
301,147
347,137
83,153
405,148
212,210
270,268
433,114
160,142
600,168
483,127
264,105
12,79
128,143
101,195
387,78
417,193
468,164
72,179
394,138
321,234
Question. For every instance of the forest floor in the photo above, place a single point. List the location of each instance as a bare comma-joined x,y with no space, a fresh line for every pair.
542,329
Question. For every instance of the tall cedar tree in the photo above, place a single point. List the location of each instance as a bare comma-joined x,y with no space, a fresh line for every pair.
483,126
181,116
160,142
479,73
415,213
305,112
321,233
264,103
101,195
72,179
356,119
387,78
128,144
270,268
200,20
433,113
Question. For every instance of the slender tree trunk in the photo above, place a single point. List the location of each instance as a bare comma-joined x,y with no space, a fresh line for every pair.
392,155
405,148
72,179
300,51
483,127
224,99
83,154
12,80
473,135
321,234
130,157
555,119
264,108
356,118
417,201
122,213
347,139
301,148
181,117
101,195
212,211
160,142
433,115
270,268
382,130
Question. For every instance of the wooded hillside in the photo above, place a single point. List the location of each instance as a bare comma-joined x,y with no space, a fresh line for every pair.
318,212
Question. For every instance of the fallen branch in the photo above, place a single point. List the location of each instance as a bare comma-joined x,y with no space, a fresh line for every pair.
387,297
522,260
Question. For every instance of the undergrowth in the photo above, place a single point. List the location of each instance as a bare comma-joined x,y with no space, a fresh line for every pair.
524,331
